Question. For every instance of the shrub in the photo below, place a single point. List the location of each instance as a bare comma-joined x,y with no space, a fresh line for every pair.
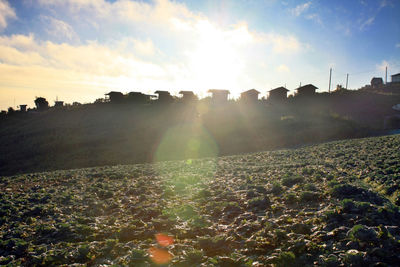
286,259
291,198
280,234
276,188
310,187
137,256
291,181
362,233
343,190
260,203
212,246
195,256
308,196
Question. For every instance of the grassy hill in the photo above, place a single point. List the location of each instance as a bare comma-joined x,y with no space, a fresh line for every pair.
331,204
107,134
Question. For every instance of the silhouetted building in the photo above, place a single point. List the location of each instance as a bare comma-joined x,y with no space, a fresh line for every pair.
219,95
306,90
22,108
250,96
278,94
59,103
41,103
396,78
138,97
188,96
164,96
376,82
115,97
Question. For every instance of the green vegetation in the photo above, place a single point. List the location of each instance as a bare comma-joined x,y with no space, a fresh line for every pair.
333,204
109,134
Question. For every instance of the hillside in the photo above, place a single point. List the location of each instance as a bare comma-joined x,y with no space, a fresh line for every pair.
110,134
331,204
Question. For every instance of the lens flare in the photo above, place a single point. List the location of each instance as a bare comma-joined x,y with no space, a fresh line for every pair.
160,256
164,240
188,140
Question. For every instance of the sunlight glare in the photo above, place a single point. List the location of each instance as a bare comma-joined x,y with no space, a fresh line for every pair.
217,60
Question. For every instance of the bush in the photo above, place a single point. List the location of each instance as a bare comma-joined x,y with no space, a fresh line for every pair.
310,187
286,259
308,196
291,181
260,203
362,233
137,256
276,189
343,190
194,256
291,198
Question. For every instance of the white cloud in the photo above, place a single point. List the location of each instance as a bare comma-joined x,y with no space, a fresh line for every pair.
59,29
382,66
315,17
21,42
385,3
177,49
145,48
173,19
159,12
91,59
6,12
300,9
398,45
283,44
283,68
367,23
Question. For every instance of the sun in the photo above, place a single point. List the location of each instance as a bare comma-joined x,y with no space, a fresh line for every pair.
215,61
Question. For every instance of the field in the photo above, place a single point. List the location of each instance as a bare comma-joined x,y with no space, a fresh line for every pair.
333,204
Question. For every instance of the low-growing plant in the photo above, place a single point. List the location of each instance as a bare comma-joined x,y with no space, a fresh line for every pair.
137,256
310,187
194,256
290,181
291,198
280,234
286,259
276,189
309,196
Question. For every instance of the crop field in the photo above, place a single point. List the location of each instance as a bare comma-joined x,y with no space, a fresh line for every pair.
333,204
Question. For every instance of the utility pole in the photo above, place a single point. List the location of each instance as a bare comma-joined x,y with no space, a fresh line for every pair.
386,75
347,80
330,78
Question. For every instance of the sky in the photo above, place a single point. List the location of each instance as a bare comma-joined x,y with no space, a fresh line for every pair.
78,50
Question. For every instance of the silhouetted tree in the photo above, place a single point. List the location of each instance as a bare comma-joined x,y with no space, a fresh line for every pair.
10,111
99,100
41,103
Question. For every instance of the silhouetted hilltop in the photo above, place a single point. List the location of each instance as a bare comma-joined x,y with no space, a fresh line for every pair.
130,132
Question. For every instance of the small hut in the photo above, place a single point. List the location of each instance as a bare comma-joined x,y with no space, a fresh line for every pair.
250,96
278,94
115,97
164,96
219,95
188,96
306,90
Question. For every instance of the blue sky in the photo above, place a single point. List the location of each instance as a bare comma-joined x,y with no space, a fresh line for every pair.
77,50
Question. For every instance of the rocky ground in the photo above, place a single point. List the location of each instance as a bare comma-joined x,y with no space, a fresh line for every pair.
334,204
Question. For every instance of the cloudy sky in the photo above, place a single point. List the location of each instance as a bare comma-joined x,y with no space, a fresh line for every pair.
77,50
